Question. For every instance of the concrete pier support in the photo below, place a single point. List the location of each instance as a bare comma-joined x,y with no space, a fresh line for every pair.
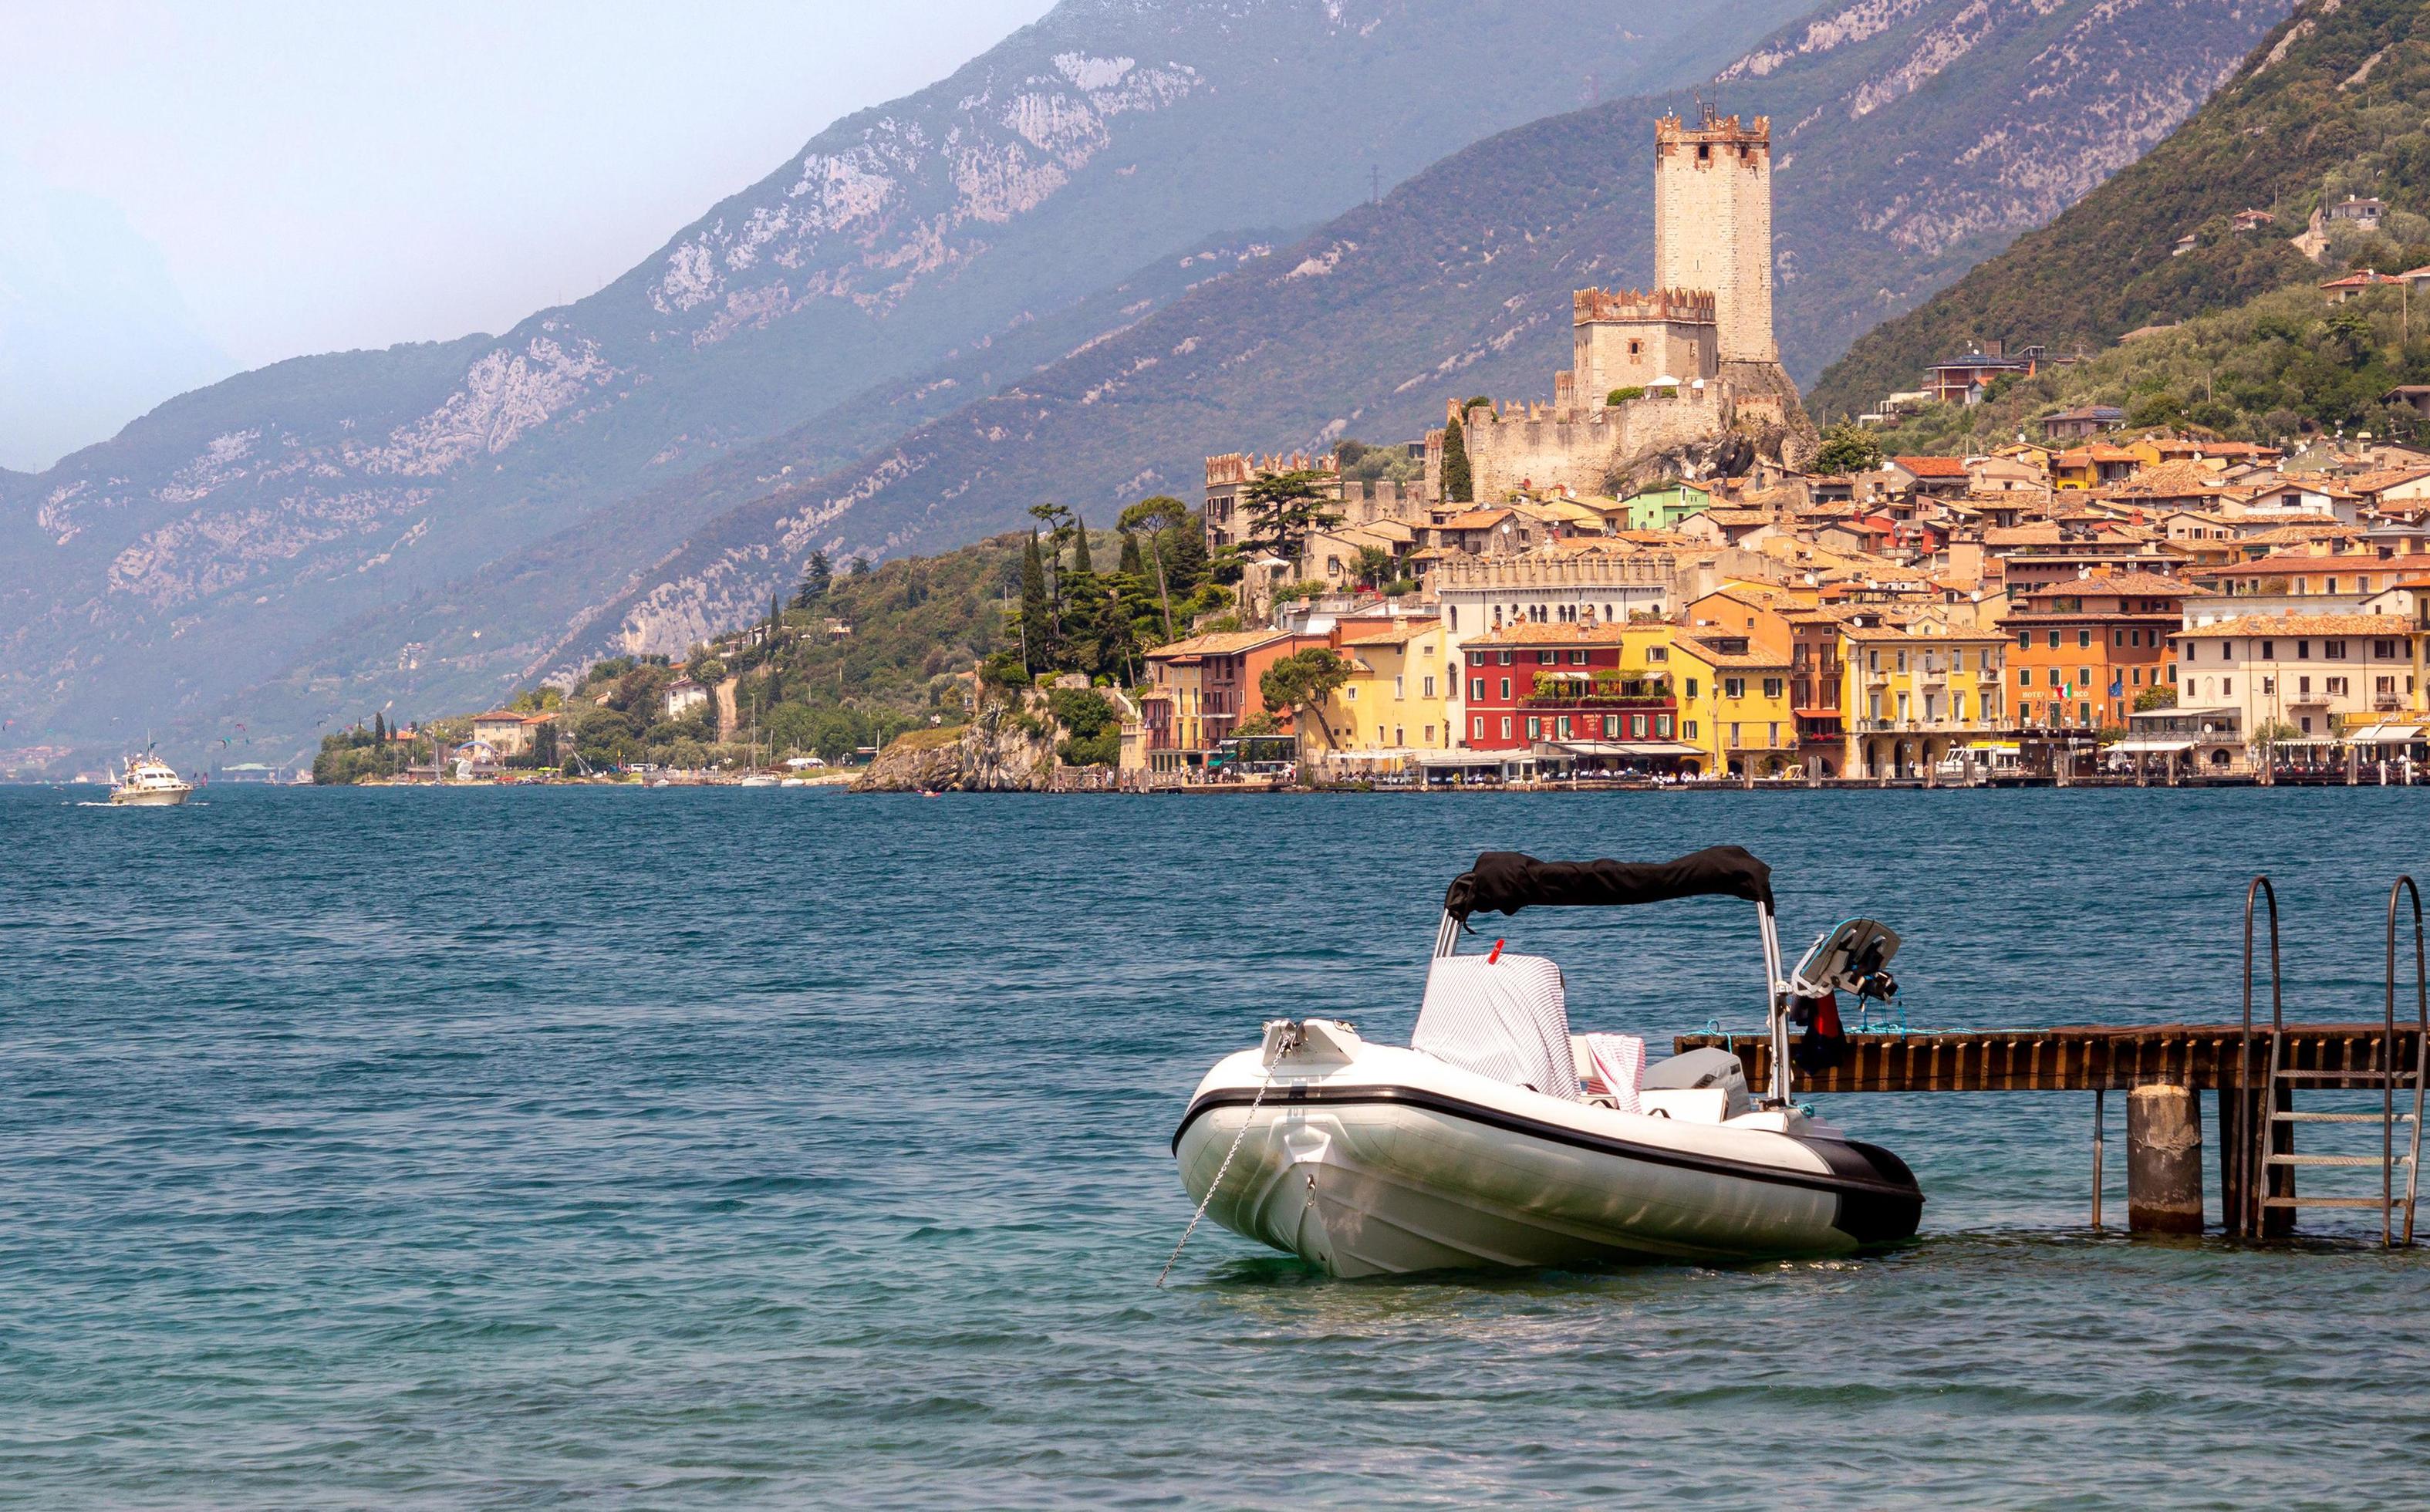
2164,1190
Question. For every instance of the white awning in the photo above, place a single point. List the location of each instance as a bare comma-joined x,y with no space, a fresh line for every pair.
1627,748
2385,734
2151,747
1468,758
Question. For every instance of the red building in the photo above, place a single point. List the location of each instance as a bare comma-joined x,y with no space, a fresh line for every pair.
1559,683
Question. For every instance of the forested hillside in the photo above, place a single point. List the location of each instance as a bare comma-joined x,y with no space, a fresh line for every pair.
2332,104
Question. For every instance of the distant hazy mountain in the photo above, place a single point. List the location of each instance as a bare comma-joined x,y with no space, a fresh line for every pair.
1911,138
900,263
92,329
2318,103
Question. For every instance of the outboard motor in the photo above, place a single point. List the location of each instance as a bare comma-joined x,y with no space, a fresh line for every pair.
1691,1069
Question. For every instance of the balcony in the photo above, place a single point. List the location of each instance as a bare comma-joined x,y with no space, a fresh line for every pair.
1596,701
1933,727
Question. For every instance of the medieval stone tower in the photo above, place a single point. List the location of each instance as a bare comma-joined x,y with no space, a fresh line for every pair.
1712,224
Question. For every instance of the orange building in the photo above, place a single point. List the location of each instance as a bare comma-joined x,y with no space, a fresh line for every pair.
2084,650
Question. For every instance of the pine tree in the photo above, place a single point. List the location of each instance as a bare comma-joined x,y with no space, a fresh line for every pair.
1185,555
1457,486
818,574
1037,651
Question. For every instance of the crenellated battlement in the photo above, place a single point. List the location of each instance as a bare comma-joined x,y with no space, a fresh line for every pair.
1713,130
1242,466
1685,306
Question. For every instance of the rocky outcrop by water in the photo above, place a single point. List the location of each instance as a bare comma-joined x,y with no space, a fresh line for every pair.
1004,750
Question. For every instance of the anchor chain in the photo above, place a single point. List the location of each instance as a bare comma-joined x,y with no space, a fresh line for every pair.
1285,1043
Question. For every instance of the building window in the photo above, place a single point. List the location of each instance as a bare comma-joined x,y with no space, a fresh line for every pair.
2303,687
1688,729
2270,651
1577,659
1637,726
2227,688
1611,727
1662,725
1430,735
1505,687
1535,728
1772,687
1476,689
2083,638
2383,650
2336,687
2058,678
1547,658
1691,687
2053,640
2024,641
1349,694
2025,676
2084,677
2333,649
2307,723
1734,688
2302,651
1506,726
2269,686
1733,735
1657,653
1396,687
1428,684
1502,658
1476,729
2117,638
1564,725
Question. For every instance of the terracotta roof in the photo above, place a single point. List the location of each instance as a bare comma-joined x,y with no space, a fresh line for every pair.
1221,643
1559,635
1477,520
2133,585
2031,535
2304,624
1753,658
1397,632
1932,467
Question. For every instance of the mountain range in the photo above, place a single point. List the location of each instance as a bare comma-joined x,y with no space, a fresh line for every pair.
1067,272
2327,104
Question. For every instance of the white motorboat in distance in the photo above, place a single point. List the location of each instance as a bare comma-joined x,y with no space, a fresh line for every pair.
150,783
1496,1138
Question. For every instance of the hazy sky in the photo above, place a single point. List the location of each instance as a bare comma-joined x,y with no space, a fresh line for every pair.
319,175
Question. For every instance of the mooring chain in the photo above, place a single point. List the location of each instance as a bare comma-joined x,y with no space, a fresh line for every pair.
1284,1044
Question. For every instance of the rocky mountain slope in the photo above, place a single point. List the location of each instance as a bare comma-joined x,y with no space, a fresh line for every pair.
898,263
1912,138
2309,115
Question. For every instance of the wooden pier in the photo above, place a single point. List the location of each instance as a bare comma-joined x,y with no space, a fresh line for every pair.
2149,1063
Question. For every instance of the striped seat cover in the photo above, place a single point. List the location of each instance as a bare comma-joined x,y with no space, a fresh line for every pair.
1504,1018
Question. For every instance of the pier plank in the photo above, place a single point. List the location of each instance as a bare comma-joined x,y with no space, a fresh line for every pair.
2073,1057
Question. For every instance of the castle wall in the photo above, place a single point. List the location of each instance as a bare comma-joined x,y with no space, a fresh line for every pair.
1632,354
1538,447
1712,225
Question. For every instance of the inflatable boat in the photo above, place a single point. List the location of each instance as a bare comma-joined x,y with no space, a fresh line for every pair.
1497,1137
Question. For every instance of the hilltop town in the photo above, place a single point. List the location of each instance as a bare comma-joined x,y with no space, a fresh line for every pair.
1657,569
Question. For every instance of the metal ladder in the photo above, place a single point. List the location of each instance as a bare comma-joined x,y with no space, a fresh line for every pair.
2271,1149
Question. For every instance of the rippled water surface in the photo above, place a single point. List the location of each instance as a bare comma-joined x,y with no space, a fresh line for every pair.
679,1148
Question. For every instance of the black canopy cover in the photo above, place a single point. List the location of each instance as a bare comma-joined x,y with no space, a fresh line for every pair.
1506,881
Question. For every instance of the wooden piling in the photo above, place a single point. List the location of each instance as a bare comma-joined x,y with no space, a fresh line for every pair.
2164,1191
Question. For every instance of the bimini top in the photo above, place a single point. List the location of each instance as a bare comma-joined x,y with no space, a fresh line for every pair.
1506,881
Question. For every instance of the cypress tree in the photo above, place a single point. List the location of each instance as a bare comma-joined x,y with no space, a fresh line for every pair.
1037,653
1457,486
1080,551
1130,565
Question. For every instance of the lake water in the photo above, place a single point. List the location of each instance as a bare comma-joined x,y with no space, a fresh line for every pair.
393,1147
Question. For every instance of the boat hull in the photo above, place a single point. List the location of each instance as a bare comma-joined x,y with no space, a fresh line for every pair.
1393,1164
155,798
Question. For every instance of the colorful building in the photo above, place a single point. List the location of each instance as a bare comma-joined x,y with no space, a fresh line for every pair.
1734,704
1593,696
1201,689
1917,690
2083,651
2308,676
1398,698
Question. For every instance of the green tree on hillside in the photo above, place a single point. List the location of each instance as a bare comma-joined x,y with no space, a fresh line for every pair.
1282,508
1848,447
818,575
1037,616
1161,516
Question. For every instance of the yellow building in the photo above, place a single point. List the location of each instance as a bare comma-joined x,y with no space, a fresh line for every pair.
1734,700
1398,699
1918,688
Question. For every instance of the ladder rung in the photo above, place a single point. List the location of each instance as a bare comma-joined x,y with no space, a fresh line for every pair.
2283,1116
2332,1160
2330,1202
